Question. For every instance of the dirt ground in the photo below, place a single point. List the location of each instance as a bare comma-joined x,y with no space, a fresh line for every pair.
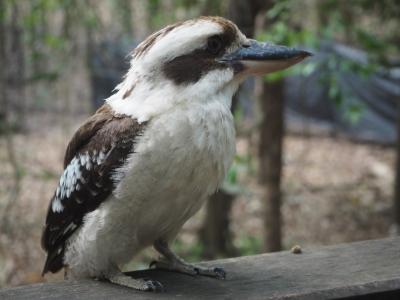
334,191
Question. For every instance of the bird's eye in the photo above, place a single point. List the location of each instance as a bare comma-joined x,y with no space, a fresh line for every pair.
214,44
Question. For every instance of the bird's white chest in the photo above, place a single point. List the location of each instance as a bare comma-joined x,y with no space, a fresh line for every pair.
181,158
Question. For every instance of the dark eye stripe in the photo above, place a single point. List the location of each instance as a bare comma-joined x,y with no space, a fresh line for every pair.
189,68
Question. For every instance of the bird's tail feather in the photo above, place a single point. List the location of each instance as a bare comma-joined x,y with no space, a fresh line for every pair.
54,261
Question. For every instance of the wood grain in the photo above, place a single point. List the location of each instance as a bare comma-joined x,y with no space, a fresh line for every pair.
341,271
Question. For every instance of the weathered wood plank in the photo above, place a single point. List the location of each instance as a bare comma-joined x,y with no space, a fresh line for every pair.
347,270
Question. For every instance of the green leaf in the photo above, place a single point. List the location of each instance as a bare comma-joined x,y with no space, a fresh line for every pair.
354,112
53,41
231,177
308,68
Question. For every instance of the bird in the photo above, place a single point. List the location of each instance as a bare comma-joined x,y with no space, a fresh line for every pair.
161,144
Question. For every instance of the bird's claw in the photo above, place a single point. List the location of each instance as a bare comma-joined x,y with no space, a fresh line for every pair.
153,263
219,273
154,286
189,269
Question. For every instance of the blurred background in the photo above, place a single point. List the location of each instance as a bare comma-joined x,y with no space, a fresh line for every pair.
317,145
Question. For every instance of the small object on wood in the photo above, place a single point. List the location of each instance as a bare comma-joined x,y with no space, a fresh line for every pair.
296,249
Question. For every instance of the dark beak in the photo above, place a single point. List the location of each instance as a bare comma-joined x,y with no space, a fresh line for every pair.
258,58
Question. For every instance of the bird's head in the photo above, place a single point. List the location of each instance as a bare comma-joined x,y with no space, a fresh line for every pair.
200,58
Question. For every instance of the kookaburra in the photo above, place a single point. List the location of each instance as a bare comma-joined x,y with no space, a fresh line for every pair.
146,161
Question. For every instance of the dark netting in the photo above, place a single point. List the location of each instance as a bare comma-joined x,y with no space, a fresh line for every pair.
308,105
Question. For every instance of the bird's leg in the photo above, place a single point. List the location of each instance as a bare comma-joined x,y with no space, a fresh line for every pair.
175,263
137,284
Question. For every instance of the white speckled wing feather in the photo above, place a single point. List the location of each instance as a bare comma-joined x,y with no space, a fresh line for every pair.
98,148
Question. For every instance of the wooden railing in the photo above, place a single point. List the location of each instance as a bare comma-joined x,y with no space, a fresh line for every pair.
361,270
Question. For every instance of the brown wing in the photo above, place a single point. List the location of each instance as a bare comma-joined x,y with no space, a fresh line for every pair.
97,149
83,135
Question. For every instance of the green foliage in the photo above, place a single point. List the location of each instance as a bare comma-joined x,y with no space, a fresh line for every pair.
281,32
40,39
240,165
249,245
48,175
340,20
191,251
122,9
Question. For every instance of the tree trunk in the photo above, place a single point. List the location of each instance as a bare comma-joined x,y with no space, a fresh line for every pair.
243,13
215,234
141,23
12,101
270,154
15,73
2,70
271,132
396,198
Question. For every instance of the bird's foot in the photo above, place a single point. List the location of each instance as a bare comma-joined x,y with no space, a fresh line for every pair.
186,268
137,284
